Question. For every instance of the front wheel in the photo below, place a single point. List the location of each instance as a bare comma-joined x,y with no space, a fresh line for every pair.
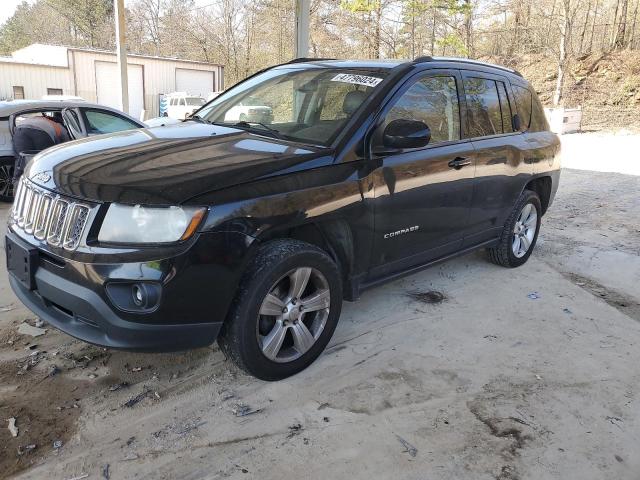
285,312
520,232
7,166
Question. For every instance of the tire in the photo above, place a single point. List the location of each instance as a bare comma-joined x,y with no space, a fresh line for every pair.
504,253
7,165
252,331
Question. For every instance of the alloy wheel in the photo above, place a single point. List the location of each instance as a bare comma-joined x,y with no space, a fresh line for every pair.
524,230
293,314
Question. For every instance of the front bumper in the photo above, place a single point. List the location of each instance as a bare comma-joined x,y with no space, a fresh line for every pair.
81,313
198,285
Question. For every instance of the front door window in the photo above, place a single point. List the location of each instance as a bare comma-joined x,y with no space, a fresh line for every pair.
434,101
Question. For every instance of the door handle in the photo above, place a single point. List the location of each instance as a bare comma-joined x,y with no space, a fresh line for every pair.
459,162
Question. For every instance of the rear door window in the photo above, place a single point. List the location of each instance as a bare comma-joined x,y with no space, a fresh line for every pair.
505,108
99,122
434,101
483,107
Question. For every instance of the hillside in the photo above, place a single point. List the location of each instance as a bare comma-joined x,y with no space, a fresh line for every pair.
606,85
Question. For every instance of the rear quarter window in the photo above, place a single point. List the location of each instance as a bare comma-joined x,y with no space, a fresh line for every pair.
523,104
538,118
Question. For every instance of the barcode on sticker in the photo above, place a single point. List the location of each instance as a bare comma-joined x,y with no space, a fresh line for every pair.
365,80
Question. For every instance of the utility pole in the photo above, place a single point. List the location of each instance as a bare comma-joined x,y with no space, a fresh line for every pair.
121,53
303,8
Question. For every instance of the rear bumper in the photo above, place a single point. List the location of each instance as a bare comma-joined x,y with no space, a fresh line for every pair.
81,313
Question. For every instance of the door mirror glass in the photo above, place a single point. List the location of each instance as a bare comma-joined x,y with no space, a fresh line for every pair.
402,133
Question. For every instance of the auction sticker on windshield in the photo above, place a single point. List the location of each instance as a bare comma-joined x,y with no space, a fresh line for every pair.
365,80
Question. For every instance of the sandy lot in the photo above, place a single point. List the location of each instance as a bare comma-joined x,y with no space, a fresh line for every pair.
518,374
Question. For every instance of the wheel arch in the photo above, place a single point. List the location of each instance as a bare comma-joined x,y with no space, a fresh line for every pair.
543,186
333,236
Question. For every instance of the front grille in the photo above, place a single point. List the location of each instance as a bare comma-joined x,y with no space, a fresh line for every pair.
57,220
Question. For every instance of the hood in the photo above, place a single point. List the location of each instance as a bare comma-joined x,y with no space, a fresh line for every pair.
167,165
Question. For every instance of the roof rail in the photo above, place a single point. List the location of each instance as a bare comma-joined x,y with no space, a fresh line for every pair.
308,59
427,58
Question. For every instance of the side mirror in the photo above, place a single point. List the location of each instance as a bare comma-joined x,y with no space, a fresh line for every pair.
515,123
406,134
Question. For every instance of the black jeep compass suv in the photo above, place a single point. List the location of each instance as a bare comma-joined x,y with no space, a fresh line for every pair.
251,224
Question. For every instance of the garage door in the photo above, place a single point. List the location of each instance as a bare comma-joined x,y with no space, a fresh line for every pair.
108,86
194,82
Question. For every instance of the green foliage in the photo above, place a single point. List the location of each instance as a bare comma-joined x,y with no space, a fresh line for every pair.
64,22
419,7
86,16
14,34
459,7
360,6
454,42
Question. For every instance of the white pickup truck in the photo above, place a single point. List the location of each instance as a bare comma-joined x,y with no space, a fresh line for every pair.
180,105
250,110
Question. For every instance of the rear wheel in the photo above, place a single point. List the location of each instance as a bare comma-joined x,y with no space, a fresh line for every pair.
285,312
7,165
520,232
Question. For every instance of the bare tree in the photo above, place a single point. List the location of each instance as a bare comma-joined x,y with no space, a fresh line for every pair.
567,16
622,24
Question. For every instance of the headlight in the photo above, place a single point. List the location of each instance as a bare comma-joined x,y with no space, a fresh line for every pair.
138,224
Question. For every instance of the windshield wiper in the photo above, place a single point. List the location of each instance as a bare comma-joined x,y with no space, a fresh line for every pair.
196,118
244,123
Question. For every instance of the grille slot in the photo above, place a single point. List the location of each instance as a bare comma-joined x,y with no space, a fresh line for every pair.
77,220
42,217
58,221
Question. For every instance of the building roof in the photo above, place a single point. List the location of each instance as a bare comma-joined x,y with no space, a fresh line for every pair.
136,55
29,62
56,56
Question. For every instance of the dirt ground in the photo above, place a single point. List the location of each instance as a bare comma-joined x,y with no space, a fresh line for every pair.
529,373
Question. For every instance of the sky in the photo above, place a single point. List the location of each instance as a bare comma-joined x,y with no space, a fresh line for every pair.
9,6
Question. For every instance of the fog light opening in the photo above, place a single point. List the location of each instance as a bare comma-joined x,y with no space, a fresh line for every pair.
139,296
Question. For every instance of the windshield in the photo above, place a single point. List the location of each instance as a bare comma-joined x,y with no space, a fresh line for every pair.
197,101
306,105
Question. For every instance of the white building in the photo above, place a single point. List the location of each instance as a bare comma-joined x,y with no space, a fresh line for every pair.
39,70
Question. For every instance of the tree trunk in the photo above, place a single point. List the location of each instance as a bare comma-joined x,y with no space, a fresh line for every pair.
551,22
622,24
433,31
633,28
413,30
468,28
593,26
613,29
376,32
565,32
584,27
